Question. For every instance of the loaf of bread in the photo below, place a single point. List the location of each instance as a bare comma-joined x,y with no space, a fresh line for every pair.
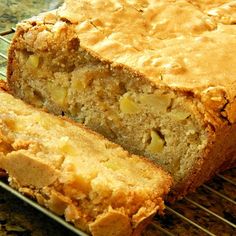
157,77
74,172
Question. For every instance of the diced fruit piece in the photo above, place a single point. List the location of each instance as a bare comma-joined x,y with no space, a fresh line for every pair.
78,84
128,106
157,143
179,115
112,165
157,102
66,147
33,61
81,78
57,93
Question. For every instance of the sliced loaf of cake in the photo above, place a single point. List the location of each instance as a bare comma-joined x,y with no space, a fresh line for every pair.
74,172
157,77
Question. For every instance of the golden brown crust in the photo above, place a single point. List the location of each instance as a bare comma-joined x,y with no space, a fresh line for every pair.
3,85
120,225
161,44
40,174
219,155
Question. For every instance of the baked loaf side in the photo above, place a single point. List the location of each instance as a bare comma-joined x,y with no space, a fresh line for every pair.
74,172
154,77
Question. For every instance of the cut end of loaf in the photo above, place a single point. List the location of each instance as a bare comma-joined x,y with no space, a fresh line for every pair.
65,78
77,173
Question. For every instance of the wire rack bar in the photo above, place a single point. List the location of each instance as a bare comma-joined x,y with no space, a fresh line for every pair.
219,194
2,74
226,179
189,221
43,210
5,40
3,56
210,212
166,232
6,32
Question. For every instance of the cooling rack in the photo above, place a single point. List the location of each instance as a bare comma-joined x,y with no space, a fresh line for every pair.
209,211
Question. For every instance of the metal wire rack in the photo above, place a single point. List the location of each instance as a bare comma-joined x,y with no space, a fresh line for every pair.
209,211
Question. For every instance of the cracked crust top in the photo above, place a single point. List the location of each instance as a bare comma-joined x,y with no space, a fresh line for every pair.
187,45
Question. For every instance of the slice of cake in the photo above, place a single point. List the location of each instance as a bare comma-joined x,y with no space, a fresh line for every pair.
156,77
74,172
